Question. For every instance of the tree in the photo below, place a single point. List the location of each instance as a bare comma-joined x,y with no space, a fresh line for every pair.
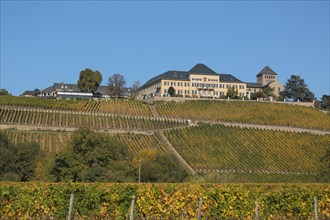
232,92
116,84
89,80
17,161
135,89
296,89
268,91
325,102
159,166
324,174
171,91
91,157
4,92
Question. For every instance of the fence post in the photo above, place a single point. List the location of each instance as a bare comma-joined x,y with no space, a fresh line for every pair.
315,208
70,206
256,209
131,216
200,208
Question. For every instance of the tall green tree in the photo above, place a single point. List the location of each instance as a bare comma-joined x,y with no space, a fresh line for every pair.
17,161
296,89
4,92
91,157
232,92
268,91
171,91
325,102
89,80
116,84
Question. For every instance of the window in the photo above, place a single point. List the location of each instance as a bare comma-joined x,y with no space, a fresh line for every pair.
222,86
165,91
186,92
180,92
227,86
216,93
173,84
193,84
166,83
186,84
179,83
222,93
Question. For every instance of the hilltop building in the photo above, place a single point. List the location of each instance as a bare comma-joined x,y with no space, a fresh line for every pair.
202,81
199,81
266,77
65,90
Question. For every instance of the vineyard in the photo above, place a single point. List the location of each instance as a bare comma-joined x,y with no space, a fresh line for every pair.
164,201
217,148
80,119
54,141
121,106
246,112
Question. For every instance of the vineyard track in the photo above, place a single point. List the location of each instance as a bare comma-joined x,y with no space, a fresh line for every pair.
172,150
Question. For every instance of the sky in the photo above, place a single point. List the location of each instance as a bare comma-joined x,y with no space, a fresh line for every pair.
43,42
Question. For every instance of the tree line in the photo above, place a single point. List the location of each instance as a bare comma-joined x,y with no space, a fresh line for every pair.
88,157
89,81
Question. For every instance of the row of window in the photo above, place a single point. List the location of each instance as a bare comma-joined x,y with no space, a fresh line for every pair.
269,77
195,92
203,85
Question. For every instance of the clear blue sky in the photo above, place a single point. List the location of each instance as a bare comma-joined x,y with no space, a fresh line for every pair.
43,42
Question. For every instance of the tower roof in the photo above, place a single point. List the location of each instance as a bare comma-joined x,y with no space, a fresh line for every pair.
266,70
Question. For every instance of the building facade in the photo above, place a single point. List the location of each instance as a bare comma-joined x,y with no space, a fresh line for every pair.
200,81
266,77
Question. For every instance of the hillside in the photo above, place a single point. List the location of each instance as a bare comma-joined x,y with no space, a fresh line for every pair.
248,141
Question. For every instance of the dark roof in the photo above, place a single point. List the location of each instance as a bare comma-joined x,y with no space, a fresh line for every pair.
73,88
254,85
267,70
228,78
184,75
170,75
31,93
202,69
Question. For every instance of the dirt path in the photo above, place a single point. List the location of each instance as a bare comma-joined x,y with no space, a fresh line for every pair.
172,150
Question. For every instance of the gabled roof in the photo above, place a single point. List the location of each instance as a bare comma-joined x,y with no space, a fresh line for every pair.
267,70
228,78
202,69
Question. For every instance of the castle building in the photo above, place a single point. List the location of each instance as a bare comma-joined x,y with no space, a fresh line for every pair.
266,77
201,81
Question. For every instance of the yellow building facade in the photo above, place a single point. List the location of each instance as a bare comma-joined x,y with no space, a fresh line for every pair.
200,81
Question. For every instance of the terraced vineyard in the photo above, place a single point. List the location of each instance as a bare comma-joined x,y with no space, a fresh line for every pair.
121,106
54,141
79,119
217,148
246,112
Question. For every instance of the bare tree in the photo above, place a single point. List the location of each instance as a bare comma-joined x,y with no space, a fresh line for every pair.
116,84
135,88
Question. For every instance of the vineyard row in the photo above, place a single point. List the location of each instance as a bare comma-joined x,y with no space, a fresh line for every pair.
217,147
164,201
96,121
